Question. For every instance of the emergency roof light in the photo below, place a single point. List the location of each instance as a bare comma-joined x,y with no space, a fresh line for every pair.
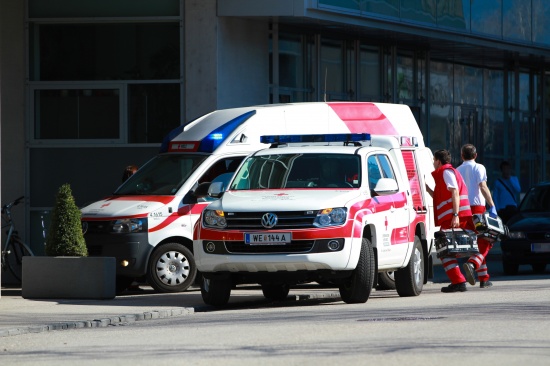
215,138
409,141
337,137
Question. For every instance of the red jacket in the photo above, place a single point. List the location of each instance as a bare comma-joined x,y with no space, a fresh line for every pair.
443,203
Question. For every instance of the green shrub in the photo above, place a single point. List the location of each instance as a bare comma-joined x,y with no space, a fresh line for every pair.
65,236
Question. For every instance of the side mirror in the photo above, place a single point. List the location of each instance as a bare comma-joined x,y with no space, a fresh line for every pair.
216,189
386,186
201,190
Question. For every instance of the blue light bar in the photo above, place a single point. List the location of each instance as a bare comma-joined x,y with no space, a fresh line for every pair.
337,137
216,137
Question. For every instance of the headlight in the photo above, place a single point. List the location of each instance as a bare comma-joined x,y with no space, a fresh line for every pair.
516,235
330,217
214,218
125,226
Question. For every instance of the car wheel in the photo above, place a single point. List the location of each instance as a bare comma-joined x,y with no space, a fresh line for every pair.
539,267
215,290
357,288
409,281
510,268
275,291
172,268
386,281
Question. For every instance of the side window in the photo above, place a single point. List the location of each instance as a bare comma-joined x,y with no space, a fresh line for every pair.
385,164
220,167
378,166
373,171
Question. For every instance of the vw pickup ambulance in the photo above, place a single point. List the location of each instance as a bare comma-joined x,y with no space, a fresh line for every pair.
335,209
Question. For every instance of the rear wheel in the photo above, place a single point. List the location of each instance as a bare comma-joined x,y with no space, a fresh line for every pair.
172,268
215,291
275,291
510,268
386,280
357,288
409,281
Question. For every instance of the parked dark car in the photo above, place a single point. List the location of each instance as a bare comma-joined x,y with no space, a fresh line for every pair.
529,240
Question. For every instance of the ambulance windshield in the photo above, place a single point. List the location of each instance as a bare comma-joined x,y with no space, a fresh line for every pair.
312,170
162,175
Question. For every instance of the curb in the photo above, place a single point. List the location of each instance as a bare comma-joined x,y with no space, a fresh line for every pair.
99,323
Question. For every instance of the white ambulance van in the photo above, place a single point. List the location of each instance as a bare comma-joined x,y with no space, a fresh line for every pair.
335,209
147,223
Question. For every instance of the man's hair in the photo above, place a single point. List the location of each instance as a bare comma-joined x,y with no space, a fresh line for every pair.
443,156
469,152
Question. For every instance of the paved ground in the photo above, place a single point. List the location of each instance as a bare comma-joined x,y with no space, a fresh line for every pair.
19,315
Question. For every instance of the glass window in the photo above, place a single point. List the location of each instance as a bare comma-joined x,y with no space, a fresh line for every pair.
541,21
369,74
516,20
277,171
347,4
441,83
487,17
123,51
76,114
405,84
153,111
424,11
382,7
295,68
163,175
387,170
468,82
332,70
453,14
102,8
374,172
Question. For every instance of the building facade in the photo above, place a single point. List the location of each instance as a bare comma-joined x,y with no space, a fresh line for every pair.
88,87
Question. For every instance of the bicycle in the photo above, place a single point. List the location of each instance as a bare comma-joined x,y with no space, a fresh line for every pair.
14,248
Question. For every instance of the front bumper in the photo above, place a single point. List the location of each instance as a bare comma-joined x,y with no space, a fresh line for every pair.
520,252
131,248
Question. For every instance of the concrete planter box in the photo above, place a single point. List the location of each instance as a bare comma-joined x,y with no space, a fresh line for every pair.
68,277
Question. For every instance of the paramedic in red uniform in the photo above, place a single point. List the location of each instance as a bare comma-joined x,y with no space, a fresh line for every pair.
475,177
451,210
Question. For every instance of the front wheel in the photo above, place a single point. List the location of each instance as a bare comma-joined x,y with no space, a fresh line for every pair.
275,291
172,268
215,290
357,288
409,280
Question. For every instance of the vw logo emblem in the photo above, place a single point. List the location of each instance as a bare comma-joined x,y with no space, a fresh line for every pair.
269,220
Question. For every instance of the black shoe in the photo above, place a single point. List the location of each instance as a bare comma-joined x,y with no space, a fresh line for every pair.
459,287
485,284
469,272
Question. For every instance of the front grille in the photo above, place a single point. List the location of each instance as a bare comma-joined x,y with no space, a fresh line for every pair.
286,220
298,246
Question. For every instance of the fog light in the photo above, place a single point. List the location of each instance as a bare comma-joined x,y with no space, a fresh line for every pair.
210,247
333,245
124,263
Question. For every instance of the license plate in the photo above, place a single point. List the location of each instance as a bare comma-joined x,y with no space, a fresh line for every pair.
540,248
267,238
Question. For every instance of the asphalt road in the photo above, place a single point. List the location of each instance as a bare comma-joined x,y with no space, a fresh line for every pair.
508,324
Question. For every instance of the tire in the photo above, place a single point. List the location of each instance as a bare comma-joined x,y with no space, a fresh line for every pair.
357,288
172,268
409,280
386,281
538,268
275,291
14,259
215,290
510,268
